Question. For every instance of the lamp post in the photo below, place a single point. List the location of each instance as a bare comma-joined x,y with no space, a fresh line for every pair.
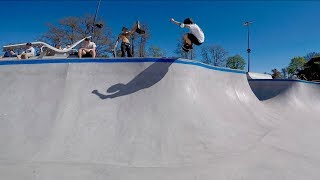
95,17
248,50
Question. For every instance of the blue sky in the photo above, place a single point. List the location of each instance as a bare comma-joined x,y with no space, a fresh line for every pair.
281,29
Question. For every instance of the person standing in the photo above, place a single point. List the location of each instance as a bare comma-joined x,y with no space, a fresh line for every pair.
125,39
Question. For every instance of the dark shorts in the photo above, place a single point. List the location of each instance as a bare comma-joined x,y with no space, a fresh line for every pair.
87,55
126,47
14,55
8,54
193,39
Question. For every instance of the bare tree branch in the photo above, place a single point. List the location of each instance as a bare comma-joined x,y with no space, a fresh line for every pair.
71,29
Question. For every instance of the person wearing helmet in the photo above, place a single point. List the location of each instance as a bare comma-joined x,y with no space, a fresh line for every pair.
196,35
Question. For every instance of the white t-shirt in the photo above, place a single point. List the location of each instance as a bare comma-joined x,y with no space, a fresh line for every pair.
197,32
31,51
91,45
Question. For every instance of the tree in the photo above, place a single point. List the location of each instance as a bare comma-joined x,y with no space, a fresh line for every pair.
311,55
311,70
296,65
71,29
141,40
179,52
214,54
236,62
155,51
275,74
193,53
206,56
284,73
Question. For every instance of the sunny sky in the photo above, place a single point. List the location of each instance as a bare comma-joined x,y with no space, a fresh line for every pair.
280,31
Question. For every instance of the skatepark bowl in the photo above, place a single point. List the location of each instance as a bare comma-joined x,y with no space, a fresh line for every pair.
154,119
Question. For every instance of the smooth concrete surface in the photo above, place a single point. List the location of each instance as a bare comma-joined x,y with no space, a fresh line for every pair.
253,75
152,120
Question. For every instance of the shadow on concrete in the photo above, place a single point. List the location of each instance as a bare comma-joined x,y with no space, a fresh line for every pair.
266,89
147,78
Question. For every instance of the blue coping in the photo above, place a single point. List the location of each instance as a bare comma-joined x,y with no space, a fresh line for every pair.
284,80
140,60
119,60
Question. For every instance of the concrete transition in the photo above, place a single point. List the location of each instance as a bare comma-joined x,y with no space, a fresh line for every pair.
154,119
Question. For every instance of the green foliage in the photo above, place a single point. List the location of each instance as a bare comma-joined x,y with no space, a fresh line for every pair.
311,71
311,55
296,65
236,62
300,68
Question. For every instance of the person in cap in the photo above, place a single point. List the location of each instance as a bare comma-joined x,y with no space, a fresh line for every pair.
196,35
29,52
88,49
125,39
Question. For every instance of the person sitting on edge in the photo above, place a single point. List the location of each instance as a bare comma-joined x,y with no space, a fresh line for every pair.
10,53
50,52
29,52
196,35
72,52
88,49
58,46
125,39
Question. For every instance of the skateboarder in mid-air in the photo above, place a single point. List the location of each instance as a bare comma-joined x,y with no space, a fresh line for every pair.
125,39
196,35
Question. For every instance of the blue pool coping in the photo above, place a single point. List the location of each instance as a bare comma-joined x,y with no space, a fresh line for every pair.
142,60
119,60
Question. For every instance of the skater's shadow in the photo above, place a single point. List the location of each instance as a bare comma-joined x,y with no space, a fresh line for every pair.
147,78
